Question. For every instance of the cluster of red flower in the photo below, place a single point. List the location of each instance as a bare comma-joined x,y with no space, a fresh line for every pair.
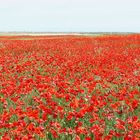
70,87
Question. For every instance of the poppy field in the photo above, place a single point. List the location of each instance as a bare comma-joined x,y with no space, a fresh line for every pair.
70,87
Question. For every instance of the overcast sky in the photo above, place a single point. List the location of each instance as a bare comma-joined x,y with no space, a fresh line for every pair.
70,15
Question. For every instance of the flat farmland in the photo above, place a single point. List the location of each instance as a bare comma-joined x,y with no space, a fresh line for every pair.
70,87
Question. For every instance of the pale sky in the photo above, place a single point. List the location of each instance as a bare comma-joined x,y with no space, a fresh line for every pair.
70,15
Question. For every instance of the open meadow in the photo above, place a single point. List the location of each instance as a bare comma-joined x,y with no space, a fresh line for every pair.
70,87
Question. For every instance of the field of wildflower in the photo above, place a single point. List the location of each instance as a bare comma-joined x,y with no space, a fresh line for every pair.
70,87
